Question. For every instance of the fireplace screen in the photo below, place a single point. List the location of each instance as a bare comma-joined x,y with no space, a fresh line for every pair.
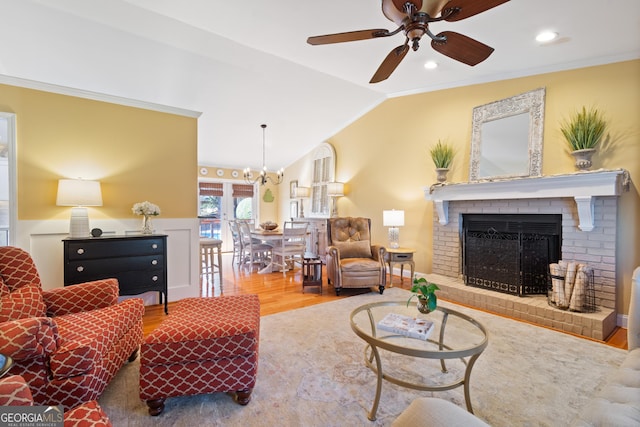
510,253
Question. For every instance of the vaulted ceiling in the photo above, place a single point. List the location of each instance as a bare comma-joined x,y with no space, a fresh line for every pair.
241,64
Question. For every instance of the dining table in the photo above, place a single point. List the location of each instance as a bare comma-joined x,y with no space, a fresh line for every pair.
267,236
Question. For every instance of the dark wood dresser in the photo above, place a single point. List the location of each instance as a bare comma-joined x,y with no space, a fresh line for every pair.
139,262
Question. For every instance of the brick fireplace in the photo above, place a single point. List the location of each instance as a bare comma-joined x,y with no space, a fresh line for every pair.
588,203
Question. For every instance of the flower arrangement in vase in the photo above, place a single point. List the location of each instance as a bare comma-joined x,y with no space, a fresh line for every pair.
583,131
442,155
147,210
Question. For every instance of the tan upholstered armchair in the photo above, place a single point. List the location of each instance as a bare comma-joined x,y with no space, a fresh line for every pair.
352,261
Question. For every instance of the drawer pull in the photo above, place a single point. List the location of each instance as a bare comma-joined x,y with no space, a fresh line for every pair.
80,269
154,278
403,256
154,246
154,262
80,251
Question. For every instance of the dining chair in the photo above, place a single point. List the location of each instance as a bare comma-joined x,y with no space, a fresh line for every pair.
237,242
291,247
252,252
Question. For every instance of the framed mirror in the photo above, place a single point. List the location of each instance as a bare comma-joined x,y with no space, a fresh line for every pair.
506,137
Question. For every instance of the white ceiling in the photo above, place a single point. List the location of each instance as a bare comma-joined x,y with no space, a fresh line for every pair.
244,63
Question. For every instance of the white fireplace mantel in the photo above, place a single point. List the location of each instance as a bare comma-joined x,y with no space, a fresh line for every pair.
583,187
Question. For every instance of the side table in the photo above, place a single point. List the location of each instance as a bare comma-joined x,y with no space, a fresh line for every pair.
311,271
400,256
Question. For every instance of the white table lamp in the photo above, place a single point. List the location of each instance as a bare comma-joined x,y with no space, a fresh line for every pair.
302,193
393,219
79,194
335,190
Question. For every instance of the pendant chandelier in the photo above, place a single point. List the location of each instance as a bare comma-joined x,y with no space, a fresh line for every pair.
263,178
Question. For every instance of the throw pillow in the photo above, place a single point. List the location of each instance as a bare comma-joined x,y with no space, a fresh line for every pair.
354,249
22,303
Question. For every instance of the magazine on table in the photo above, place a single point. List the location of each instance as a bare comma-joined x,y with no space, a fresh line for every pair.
405,325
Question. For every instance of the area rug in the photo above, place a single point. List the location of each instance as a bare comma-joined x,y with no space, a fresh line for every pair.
312,373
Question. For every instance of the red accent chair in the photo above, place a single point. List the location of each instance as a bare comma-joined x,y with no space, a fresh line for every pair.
69,342
14,391
206,345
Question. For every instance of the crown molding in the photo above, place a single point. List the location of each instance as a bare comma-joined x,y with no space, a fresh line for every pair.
96,96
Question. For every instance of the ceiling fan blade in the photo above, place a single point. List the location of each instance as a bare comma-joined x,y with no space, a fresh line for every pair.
461,48
349,36
467,8
390,63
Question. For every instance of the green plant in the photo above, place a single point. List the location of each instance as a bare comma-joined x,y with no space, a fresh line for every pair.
442,155
422,289
584,129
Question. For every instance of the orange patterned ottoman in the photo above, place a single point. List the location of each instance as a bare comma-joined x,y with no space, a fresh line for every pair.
205,345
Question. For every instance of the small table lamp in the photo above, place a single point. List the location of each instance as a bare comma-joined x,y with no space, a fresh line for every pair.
335,190
393,219
79,194
302,193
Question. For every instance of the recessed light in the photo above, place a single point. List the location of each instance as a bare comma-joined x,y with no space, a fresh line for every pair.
430,65
546,36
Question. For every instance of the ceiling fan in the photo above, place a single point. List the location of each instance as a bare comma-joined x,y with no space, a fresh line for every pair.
413,18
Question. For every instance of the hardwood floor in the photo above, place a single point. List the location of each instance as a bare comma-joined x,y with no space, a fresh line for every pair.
278,293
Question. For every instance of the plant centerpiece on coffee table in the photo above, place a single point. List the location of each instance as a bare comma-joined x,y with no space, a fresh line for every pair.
583,131
426,294
442,155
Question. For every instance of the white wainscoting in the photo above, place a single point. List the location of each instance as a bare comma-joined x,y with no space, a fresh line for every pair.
43,240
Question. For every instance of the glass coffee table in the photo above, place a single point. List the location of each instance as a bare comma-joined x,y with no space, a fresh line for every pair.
456,339
5,364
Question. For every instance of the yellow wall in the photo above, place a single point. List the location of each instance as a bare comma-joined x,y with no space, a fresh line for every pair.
384,157
136,154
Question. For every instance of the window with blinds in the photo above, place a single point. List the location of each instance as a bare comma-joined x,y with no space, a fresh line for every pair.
219,201
211,189
242,190
210,199
324,160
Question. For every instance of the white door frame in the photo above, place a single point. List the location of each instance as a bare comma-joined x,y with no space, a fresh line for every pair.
9,119
227,209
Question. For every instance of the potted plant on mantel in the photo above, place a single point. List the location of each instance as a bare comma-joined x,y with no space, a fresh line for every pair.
426,294
583,131
442,156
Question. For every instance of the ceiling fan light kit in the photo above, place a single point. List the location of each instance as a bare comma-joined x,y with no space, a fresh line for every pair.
413,18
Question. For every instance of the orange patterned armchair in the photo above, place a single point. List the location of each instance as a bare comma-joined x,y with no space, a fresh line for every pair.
67,343
352,261
14,391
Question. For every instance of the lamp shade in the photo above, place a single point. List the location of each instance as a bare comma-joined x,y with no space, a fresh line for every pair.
393,218
335,189
78,192
303,192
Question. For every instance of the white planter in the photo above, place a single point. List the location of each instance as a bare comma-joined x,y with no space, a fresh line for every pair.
442,174
583,158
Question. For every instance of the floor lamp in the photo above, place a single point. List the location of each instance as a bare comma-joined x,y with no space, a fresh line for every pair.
79,194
